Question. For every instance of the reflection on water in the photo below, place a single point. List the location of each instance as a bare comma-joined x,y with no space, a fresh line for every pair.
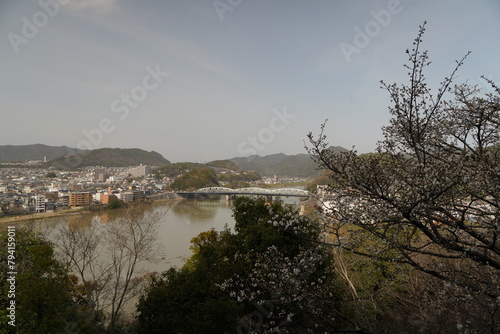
184,220
197,210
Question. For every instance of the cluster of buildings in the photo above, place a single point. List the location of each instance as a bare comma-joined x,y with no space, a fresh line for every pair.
34,190
282,179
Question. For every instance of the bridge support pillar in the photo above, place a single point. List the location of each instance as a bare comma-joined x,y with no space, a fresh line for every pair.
269,198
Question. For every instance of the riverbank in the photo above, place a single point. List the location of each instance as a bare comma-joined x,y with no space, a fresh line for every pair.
41,215
159,199
6,220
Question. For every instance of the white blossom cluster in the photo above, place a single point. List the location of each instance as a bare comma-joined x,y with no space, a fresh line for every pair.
295,223
286,285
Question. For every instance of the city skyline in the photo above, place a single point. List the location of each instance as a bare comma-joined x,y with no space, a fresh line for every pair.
221,79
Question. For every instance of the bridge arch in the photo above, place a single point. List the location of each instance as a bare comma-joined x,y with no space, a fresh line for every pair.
250,191
290,192
215,190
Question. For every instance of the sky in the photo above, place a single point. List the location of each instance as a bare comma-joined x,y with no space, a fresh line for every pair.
200,80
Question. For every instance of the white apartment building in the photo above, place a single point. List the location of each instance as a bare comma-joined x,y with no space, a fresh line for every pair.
115,178
126,196
39,203
139,171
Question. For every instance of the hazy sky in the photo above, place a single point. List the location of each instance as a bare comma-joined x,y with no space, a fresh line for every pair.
198,80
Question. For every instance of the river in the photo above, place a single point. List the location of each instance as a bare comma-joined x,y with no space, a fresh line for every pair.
183,220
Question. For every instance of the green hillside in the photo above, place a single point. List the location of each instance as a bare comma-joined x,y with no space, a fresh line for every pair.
34,152
299,165
196,178
176,169
109,157
225,164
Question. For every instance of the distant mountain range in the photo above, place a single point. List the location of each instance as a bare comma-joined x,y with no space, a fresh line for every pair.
299,165
34,152
63,157
110,157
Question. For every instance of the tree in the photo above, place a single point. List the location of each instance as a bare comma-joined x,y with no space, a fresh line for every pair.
116,204
42,301
196,178
270,274
51,175
105,260
430,197
188,301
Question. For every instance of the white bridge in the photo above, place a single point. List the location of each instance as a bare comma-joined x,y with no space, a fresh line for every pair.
280,192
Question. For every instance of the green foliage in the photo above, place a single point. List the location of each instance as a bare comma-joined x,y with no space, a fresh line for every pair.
226,164
188,301
43,303
51,175
34,152
116,204
254,224
195,179
299,165
188,172
195,299
175,169
110,157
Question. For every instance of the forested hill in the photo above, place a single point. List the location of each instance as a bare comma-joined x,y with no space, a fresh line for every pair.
110,157
34,152
63,157
299,165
